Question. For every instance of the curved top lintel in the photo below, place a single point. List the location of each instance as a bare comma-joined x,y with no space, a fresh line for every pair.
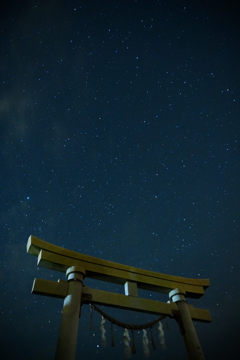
60,259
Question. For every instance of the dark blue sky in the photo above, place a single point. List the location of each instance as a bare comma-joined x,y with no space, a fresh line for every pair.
120,140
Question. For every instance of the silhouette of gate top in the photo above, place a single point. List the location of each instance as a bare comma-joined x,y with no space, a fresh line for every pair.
57,258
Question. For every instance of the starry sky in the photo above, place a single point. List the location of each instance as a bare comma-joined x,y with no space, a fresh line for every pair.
120,139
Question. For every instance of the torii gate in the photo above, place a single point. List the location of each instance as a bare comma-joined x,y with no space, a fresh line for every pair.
77,266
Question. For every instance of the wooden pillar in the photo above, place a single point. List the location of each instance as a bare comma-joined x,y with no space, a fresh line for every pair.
67,339
192,343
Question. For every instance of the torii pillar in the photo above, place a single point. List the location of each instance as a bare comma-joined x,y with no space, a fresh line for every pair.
189,333
67,338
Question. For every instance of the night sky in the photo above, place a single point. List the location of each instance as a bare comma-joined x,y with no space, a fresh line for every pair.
120,139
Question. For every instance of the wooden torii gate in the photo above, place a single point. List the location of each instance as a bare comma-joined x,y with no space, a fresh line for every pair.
77,266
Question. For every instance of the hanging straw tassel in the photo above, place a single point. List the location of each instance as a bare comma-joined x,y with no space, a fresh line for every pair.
133,344
102,327
126,340
152,339
91,315
161,335
112,336
167,326
145,343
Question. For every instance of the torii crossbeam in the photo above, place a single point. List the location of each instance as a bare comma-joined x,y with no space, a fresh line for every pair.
77,266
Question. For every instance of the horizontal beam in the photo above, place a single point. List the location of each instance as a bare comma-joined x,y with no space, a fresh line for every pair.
57,289
35,245
60,258
105,298
118,276
134,303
